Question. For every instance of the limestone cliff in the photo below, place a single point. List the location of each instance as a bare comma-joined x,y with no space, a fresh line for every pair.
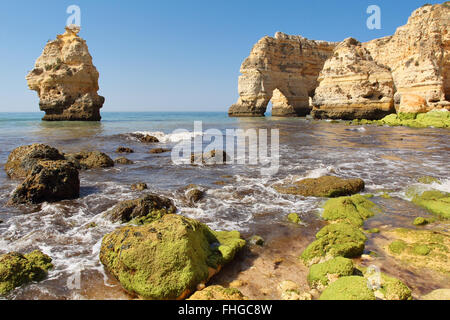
352,85
418,55
288,65
66,80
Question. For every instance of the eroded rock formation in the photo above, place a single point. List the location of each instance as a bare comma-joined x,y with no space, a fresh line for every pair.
66,80
352,85
418,55
288,65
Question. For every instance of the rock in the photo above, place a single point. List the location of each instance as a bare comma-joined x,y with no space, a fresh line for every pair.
386,287
141,186
194,194
143,210
294,218
123,160
348,288
439,294
436,202
49,181
419,58
428,180
335,240
282,68
436,119
66,80
22,159
353,210
211,157
421,221
320,274
353,86
90,160
420,248
159,150
256,240
216,292
146,138
326,186
17,269
168,258
124,150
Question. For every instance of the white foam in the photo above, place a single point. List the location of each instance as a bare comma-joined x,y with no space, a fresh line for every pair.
170,137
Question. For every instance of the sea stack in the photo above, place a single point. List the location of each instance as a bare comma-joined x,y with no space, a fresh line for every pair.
66,80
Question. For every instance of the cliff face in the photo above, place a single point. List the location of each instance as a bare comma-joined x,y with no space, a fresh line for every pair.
66,80
418,55
352,85
288,65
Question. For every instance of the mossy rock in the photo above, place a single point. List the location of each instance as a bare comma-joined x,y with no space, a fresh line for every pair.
354,209
143,210
437,119
90,160
123,160
348,288
434,201
17,269
421,221
428,180
257,240
319,274
326,186
386,287
22,159
294,218
217,292
335,240
168,258
421,248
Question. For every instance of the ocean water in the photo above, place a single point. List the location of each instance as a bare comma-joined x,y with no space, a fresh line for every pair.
388,159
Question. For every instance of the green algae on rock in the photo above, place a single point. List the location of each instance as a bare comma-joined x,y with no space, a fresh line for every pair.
168,258
143,210
217,292
428,180
326,186
257,240
435,201
333,240
17,269
386,287
294,218
348,288
421,221
435,118
421,248
354,209
320,274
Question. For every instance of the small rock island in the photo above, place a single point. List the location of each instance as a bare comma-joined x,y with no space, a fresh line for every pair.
66,80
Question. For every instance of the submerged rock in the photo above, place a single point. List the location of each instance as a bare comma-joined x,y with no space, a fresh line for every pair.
66,80
124,150
217,292
294,218
211,157
159,150
22,159
354,210
90,160
123,160
143,210
141,186
326,186
146,138
320,275
48,181
17,269
335,240
168,258
421,248
194,194
348,288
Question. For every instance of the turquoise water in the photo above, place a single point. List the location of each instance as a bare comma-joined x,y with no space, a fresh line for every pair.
238,196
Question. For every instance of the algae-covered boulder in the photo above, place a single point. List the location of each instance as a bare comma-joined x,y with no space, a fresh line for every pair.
217,292
386,287
436,118
146,138
90,160
17,269
194,195
294,218
320,275
48,181
140,186
168,258
326,186
436,202
348,288
354,209
143,210
123,160
428,180
335,240
22,159
420,248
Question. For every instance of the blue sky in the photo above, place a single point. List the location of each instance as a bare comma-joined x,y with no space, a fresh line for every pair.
173,55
